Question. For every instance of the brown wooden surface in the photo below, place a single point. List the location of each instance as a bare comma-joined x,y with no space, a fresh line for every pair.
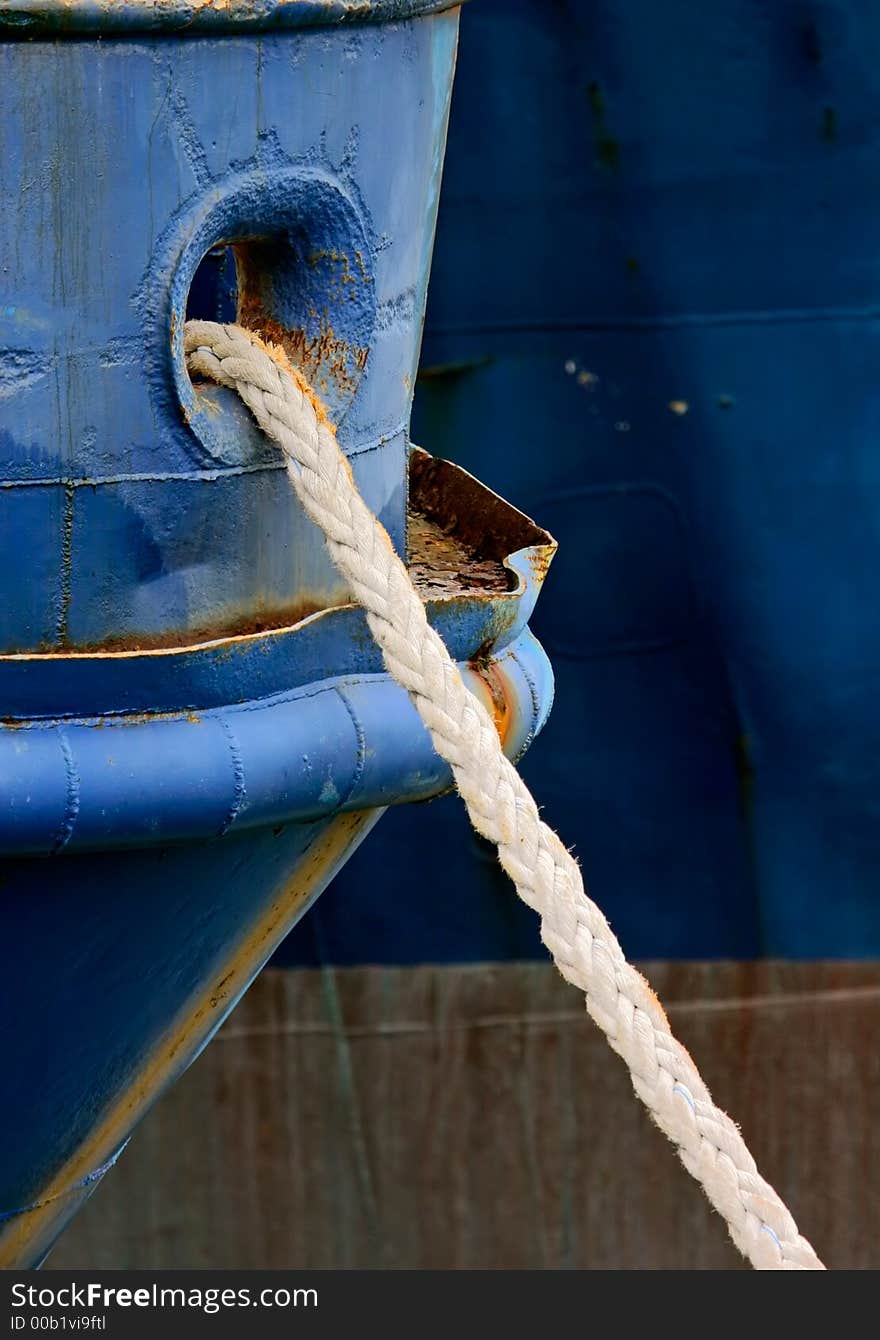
473,1117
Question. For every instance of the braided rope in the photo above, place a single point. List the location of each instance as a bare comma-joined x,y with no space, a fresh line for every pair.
546,875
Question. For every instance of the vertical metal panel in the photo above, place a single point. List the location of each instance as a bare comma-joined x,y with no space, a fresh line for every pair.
473,1117
657,277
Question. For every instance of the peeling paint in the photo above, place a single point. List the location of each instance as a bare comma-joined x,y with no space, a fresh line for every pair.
20,368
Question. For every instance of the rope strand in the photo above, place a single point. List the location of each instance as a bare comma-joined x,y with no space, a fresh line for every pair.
500,807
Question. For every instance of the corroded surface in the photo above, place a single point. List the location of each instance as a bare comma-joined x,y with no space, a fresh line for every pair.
441,564
27,18
518,1127
484,523
255,618
328,324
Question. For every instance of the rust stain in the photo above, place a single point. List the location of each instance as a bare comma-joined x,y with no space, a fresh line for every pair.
260,619
486,526
441,565
278,353
482,657
326,354
539,559
221,990
459,538
340,259
308,358
501,697
321,356
144,719
459,534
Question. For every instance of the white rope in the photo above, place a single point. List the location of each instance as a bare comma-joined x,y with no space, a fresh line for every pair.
501,808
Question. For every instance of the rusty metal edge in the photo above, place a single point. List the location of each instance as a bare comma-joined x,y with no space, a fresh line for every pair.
25,19
221,671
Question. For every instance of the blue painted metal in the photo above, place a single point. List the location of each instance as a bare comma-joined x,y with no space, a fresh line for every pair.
241,667
122,168
196,729
119,965
657,250
343,743
67,17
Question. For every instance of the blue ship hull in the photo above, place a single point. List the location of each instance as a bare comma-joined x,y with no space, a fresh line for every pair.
196,730
652,321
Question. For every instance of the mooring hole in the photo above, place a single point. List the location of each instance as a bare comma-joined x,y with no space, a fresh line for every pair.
213,293
257,282
304,289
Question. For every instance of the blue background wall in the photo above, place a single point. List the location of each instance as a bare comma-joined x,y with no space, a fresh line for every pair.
653,325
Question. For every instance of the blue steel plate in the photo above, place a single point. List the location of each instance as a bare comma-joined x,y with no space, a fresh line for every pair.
331,642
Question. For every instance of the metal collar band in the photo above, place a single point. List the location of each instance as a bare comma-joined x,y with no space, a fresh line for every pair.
57,18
